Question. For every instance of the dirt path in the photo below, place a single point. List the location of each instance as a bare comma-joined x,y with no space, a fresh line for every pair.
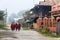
23,35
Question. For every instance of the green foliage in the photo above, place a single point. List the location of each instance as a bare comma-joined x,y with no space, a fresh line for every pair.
31,26
47,33
2,25
21,21
27,14
50,35
46,30
1,15
25,28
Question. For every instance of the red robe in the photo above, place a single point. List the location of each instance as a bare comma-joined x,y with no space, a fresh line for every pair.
19,26
16,26
12,26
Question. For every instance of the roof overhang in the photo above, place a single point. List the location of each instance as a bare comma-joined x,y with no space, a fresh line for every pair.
55,11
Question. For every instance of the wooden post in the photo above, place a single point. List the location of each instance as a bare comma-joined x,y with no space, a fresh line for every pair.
53,27
39,21
58,25
45,22
49,20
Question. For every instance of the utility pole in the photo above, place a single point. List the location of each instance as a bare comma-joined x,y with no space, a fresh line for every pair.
5,16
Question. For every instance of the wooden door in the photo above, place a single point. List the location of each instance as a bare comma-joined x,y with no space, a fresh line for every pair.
58,27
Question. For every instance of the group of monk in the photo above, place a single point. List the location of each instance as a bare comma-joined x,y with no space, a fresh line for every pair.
15,26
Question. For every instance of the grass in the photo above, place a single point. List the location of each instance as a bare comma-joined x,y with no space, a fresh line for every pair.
2,25
3,28
50,35
25,28
47,34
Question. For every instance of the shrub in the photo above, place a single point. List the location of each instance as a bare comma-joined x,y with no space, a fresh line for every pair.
31,26
46,30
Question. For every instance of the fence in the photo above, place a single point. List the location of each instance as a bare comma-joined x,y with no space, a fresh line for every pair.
46,22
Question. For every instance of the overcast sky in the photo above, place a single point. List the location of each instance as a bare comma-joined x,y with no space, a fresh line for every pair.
14,6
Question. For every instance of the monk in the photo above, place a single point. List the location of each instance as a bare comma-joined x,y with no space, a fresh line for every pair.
16,26
12,26
19,27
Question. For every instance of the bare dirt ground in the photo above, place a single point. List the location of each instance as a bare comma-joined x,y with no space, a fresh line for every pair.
23,35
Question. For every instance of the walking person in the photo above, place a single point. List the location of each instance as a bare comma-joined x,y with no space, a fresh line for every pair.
13,26
16,26
19,27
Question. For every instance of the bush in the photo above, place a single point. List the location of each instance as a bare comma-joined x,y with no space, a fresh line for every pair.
31,26
2,26
25,28
46,30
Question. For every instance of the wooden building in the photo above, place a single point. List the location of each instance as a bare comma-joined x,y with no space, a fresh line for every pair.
42,15
41,11
56,14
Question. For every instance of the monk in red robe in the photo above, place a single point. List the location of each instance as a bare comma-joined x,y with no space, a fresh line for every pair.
19,27
12,26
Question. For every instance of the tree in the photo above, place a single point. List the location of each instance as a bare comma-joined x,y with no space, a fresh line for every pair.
28,14
1,15
2,25
21,21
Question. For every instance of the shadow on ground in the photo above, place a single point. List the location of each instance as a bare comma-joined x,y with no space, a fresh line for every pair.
7,34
